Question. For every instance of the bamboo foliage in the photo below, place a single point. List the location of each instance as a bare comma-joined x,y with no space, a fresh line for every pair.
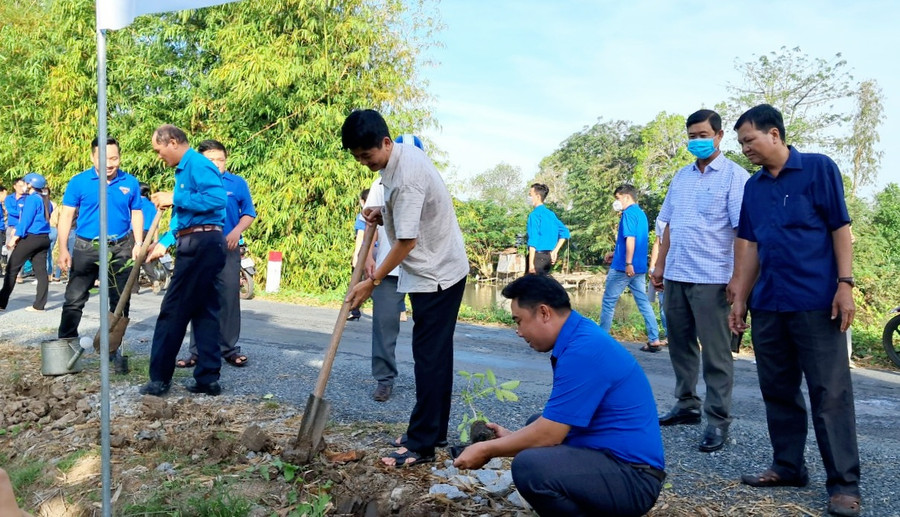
271,79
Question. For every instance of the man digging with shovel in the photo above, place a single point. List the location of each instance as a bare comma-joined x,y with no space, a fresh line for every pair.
426,240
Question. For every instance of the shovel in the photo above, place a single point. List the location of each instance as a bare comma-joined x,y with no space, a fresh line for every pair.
117,322
315,415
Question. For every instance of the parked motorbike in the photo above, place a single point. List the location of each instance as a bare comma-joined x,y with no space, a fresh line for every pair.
162,272
891,336
248,269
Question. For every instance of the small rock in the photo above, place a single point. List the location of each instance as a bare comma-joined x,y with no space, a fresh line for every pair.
501,485
485,477
116,440
154,408
449,491
446,473
146,435
495,464
517,500
255,439
463,481
167,468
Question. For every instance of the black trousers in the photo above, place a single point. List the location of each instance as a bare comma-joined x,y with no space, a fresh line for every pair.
573,481
789,346
191,298
85,270
34,248
228,285
432,347
542,263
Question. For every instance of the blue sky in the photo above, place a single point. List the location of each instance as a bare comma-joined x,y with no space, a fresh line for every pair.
514,79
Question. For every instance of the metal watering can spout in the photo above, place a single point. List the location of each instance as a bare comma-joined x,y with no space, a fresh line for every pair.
78,352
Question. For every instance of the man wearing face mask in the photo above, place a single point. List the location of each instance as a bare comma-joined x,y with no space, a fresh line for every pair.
629,265
695,262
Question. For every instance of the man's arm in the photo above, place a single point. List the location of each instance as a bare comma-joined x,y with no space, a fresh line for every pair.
62,231
363,290
234,238
843,299
746,271
531,252
629,256
540,433
137,226
555,253
659,263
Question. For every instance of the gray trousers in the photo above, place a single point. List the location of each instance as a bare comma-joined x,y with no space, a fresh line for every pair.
700,311
228,289
790,346
387,304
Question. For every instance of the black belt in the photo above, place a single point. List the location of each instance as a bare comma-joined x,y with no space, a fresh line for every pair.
658,474
110,241
198,228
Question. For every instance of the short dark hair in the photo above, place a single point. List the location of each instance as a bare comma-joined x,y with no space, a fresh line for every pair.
364,129
530,291
763,117
541,189
109,141
364,195
698,117
211,145
2,188
18,179
167,132
626,189
145,189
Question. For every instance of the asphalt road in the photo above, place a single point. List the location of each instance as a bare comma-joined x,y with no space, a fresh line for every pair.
285,344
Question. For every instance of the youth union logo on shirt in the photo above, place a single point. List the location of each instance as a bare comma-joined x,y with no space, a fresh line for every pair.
125,190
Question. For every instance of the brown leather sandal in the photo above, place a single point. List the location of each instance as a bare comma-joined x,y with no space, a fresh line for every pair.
770,478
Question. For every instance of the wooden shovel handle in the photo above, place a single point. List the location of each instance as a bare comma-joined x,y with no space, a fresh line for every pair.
325,372
136,268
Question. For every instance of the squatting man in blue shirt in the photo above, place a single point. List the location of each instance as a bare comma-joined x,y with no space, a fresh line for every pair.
596,449
198,203
546,233
795,252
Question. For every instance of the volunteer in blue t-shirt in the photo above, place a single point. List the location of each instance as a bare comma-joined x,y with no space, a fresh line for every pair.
125,230
629,265
596,449
30,242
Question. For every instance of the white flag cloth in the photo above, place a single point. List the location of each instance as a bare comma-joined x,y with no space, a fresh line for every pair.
116,14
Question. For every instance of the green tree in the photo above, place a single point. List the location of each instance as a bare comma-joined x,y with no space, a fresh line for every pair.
804,89
661,153
501,184
272,79
860,145
487,229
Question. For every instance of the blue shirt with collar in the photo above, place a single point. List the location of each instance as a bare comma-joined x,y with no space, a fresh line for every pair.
239,204
603,394
32,220
14,206
149,211
791,218
123,194
544,229
199,196
632,224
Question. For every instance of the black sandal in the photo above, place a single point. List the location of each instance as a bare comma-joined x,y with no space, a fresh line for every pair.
186,363
651,348
400,458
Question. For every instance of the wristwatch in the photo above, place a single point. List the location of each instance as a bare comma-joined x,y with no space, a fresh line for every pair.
847,280
376,282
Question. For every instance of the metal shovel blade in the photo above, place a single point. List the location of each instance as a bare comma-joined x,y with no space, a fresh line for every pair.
309,439
117,327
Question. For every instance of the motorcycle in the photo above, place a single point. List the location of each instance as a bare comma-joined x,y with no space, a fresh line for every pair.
248,269
159,275
891,336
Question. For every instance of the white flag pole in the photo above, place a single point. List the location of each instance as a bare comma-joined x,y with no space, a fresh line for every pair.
104,273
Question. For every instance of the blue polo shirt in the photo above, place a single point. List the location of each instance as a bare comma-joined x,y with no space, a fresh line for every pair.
602,393
199,196
239,204
790,218
544,229
632,224
13,207
32,220
149,211
123,194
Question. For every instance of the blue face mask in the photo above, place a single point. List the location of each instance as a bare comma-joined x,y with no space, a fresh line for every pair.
702,148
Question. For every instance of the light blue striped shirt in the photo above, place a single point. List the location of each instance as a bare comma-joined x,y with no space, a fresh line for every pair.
703,211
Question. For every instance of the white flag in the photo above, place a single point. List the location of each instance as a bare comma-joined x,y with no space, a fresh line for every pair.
115,14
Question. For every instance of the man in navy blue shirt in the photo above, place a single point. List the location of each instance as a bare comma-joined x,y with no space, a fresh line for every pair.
198,215
629,265
596,449
795,253
546,233
125,232
239,215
